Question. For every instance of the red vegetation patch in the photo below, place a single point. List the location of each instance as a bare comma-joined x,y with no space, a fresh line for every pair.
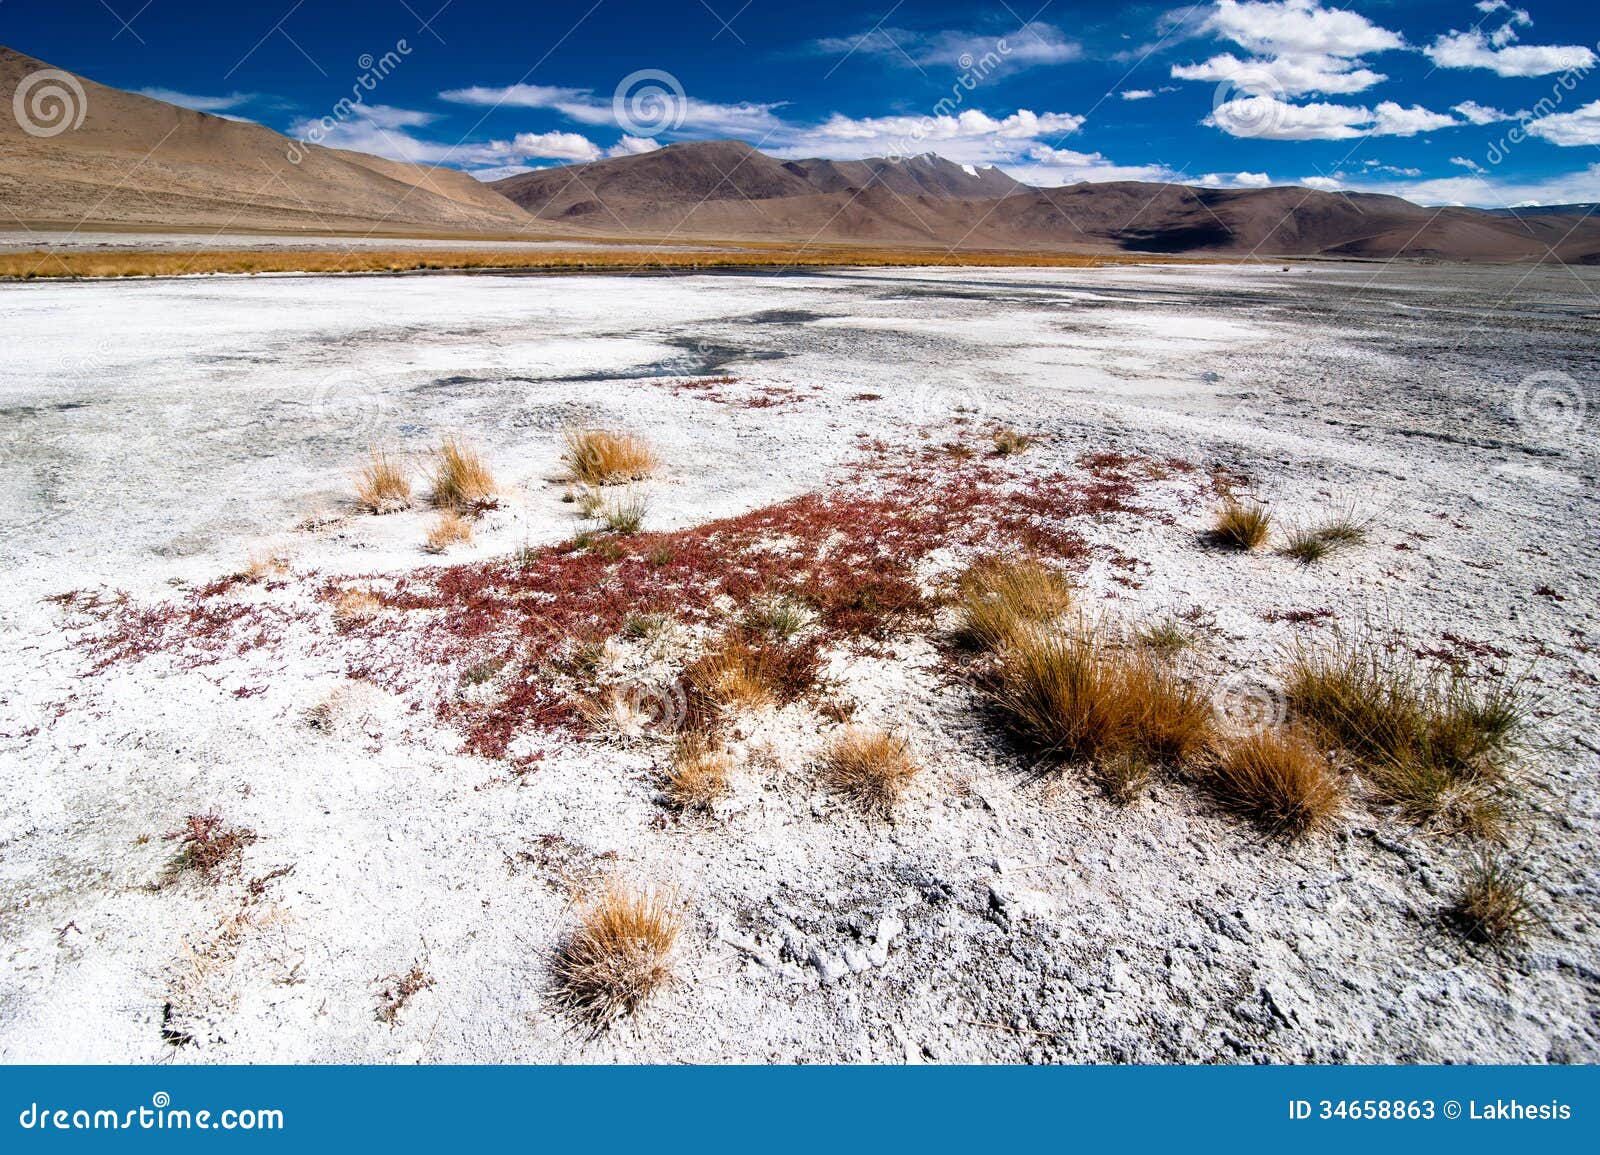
849,555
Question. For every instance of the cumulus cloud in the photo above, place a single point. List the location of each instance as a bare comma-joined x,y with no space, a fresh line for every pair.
1582,187
1581,126
1297,47
1474,113
1234,180
1473,49
1267,118
972,137
1136,94
1050,167
582,105
382,131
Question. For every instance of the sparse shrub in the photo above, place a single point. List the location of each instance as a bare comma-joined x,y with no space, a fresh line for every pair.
625,514
1277,777
1164,637
206,845
698,775
260,567
1494,907
1241,525
589,500
780,616
1123,776
399,990
870,766
600,457
354,607
461,479
1072,696
645,626
1008,442
1312,543
449,529
619,955
382,485
999,597
1435,746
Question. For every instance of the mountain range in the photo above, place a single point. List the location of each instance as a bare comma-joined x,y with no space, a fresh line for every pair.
136,161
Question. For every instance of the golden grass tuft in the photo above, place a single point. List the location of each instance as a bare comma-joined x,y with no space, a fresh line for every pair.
1494,907
1241,526
1008,442
603,457
260,567
698,775
1279,778
999,597
619,955
871,767
353,607
461,479
449,529
1072,696
382,485
1434,745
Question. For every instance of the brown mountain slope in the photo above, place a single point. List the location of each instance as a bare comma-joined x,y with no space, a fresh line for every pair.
726,189
134,160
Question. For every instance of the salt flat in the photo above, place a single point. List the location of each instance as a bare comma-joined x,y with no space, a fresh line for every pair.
157,434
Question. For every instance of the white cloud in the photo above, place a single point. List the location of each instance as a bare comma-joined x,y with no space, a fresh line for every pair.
199,103
1283,75
1582,187
1234,180
1393,120
1321,183
1299,27
698,117
1266,118
1469,164
1136,94
1475,113
633,146
1581,126
1049,167
1473,49
1035,42
973,137
554,146
1298,47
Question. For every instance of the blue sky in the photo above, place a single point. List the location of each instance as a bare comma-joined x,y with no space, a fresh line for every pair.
1455,102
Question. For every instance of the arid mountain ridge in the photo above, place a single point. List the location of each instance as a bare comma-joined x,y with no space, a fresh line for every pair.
130,160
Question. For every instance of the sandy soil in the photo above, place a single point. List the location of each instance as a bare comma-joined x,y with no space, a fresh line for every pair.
156,435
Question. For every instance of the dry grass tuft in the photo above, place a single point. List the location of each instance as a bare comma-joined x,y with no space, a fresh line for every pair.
1312,543
601,457
1073,696
1494,907
619,955
354,607
871,767
1241,526
999,597
260,567
626,514
382,485
742,672
1008,442
699,773
398,991
450,529
1434,745
1165,637
461,480
1279,778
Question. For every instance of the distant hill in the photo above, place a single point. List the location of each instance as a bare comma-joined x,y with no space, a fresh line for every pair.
135,160
726,189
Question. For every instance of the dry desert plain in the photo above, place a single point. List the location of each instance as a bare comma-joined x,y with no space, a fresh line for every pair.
406,792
